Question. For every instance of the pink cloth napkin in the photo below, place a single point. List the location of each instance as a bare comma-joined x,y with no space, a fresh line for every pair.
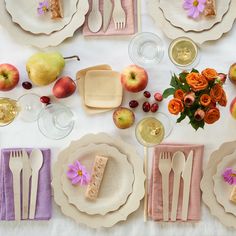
130,7
155,207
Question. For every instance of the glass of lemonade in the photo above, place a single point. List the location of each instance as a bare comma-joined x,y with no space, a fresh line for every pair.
184,53
8,110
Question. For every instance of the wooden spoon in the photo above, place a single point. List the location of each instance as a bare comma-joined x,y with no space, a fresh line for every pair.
95,17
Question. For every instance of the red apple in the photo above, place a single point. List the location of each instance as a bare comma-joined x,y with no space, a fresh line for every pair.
134,78
64,87
9,77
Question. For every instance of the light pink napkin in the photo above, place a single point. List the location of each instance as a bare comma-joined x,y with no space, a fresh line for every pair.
155,206
130,7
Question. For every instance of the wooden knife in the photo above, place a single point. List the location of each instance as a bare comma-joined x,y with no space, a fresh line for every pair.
107,13
187,176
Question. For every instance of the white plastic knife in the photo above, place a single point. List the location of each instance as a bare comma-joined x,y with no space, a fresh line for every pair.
26,173
107,13
187,175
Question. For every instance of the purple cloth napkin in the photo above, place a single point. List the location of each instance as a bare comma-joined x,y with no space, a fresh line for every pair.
43,204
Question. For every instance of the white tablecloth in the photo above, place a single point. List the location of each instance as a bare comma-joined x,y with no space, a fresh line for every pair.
218,54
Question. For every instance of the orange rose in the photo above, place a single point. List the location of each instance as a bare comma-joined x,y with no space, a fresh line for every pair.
210,74
179,94
216,92
212,116
223,100
205,100
196,81
175,106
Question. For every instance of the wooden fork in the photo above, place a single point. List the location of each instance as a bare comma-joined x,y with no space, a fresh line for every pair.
16,165
165,168
119,15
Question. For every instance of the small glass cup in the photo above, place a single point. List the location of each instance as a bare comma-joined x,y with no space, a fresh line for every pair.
146,49
56,121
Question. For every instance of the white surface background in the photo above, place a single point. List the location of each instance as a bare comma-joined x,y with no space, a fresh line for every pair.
218,54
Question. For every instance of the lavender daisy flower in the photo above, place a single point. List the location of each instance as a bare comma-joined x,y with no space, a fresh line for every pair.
77,174
194,7
43,7
229,176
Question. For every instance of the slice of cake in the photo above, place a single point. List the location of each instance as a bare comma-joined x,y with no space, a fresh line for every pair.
210,8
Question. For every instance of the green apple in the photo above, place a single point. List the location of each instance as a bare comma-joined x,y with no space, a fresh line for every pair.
123,118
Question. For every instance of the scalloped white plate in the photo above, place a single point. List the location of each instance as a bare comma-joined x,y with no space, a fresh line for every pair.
207,184
199,37
175,13
111,218
42,40
24,13
222,190
116,184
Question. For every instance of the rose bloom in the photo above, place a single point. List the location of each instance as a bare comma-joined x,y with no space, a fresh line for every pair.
212,116
210,74
223,100
216,92
175,106
199,115
196,81
189,99
179,94
205,100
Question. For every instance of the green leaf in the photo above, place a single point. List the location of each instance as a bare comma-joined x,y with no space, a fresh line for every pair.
168,92
183,76
182,117
173,81
197,124
194,70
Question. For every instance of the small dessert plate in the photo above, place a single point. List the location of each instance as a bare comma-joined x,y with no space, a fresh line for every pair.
25,14
102,89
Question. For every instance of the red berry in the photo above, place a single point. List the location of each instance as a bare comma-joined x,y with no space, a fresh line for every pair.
154,107
133,103
146,106
26,85
45,99
158,97
146,94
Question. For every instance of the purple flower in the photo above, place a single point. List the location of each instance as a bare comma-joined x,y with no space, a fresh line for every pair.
43,7
229,176
194,7
77,174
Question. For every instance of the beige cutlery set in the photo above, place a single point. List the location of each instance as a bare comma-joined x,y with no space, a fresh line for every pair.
181,169
113,10
29,166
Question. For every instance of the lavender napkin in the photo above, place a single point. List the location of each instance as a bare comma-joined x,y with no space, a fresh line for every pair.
43,204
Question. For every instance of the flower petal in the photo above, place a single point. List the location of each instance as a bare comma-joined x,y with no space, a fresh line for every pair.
71,174
76,180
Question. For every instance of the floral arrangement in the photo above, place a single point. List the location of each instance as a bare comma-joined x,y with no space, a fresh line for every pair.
194,7
196,96
229,176
77,174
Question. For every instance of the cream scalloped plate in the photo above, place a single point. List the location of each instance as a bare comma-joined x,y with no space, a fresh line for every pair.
207,184
111,218
175,13
221,188
43,40
173,32
117,182
24,13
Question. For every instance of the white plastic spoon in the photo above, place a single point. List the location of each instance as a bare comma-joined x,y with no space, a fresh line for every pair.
178,162
95,17
36,161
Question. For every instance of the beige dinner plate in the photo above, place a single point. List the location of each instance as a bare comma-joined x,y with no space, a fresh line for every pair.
111,218
116,184
102,89
207,184
42,40
173,32
24,13
80,77
175,13
222,189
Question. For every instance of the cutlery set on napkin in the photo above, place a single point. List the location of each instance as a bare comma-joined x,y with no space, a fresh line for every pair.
175,183
25,190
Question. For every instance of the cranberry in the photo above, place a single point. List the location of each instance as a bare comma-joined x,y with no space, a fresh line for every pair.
158,97
133,103
146,106
154,107
45,99
27,85
146,94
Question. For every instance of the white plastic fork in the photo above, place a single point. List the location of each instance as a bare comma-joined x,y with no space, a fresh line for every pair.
119,15
16,165
165,168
